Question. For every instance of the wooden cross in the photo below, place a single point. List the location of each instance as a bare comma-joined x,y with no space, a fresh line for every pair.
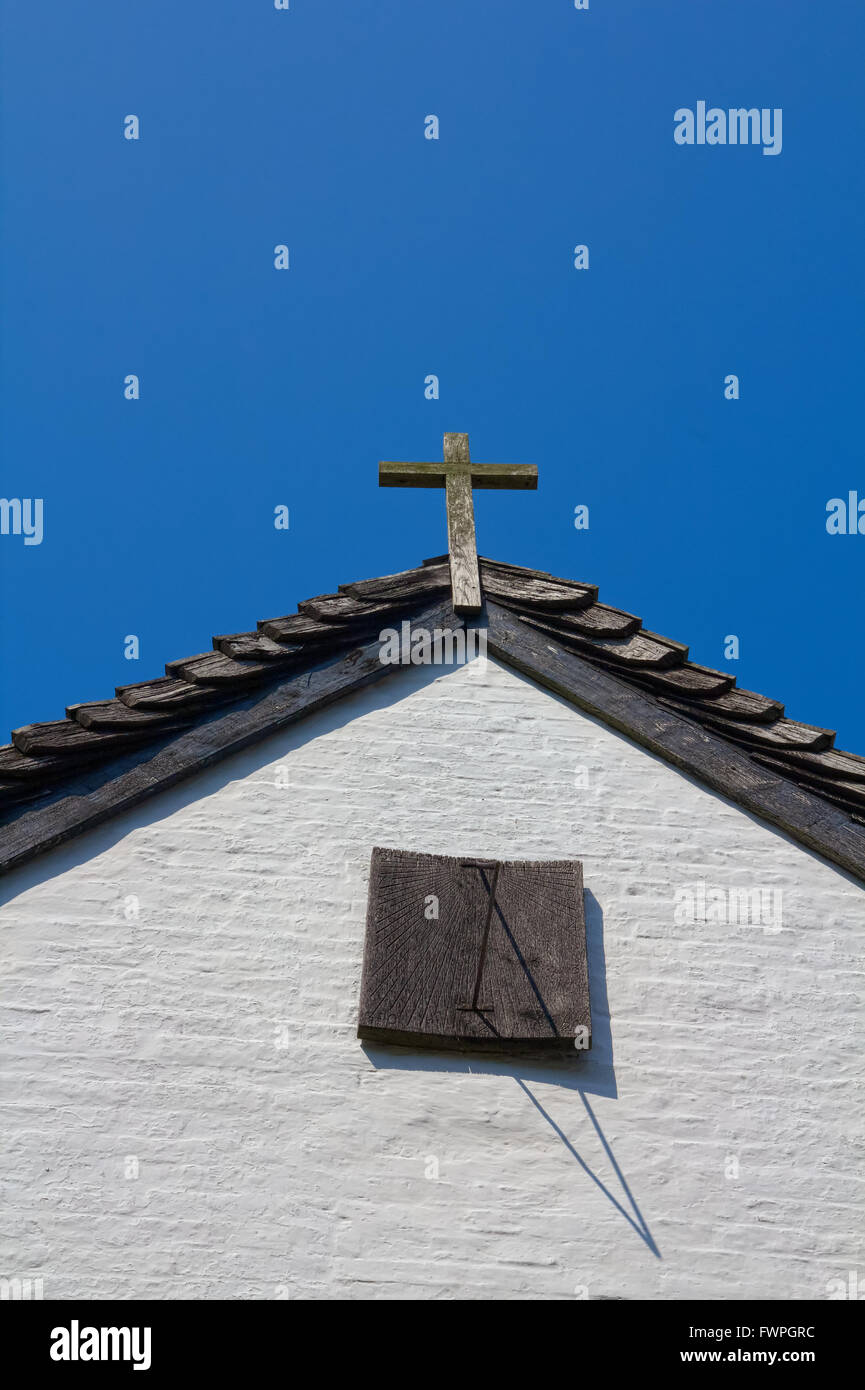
458,476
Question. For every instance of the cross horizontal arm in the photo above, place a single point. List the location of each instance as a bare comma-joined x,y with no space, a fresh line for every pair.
483,475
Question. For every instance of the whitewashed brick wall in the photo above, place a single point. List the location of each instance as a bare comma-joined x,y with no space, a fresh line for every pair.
207,1040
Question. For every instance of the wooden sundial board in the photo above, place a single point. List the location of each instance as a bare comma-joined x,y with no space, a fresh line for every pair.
428,915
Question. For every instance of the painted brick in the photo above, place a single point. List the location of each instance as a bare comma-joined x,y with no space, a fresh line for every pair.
211,1034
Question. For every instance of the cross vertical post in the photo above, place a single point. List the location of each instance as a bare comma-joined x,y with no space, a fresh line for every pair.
462,542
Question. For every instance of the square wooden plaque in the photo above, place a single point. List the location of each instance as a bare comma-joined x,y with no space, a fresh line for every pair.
426,924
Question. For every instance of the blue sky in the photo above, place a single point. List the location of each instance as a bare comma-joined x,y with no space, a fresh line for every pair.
409,257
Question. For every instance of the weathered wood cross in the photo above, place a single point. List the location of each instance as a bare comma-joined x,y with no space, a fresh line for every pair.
458,476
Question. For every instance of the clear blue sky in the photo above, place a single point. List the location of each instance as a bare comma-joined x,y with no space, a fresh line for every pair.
408,257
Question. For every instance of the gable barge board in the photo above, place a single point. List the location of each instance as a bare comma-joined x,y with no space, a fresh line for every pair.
85,806
622,699
679,740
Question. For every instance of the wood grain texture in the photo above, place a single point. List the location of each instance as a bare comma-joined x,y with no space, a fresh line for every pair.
255,646
408,587
168,695
462,545
787,734
519,574
419,971
546,595
737,704
834,762
521,477
106,716
465,579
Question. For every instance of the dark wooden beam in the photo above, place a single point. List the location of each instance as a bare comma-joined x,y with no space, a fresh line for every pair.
694,750
99,795
501,476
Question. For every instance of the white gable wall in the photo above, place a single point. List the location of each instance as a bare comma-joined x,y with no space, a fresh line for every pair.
180,1002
